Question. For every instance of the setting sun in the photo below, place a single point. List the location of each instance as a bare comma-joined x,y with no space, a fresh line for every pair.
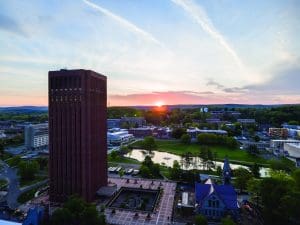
159,104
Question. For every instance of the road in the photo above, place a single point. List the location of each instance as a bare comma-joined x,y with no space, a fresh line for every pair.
14,189
13,185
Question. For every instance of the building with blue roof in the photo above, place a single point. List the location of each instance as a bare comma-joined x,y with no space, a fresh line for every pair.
213,200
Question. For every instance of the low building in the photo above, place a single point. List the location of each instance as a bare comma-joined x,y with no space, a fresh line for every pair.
163,133
2,134
246,121
36,136
133,121
117,137
113,123
261,145
142,132
292,151
277,146
293,130
194,132
213,200
278,133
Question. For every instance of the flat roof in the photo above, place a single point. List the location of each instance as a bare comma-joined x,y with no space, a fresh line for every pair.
6,222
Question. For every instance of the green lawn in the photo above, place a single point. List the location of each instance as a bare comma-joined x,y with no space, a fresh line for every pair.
122,159
234,155
26,196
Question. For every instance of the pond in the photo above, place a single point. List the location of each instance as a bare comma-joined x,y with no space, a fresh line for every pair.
167,159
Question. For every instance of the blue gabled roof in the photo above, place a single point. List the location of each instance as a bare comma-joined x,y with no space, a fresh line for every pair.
225,192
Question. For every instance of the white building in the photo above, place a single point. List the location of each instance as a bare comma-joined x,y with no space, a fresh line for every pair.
277,146
36,136
2,134
292,151
194,132
117,137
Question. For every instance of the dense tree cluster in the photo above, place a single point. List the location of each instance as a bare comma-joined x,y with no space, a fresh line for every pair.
149,169
28,169
213,139
77,212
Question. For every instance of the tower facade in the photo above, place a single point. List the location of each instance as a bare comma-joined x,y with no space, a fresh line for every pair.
77,133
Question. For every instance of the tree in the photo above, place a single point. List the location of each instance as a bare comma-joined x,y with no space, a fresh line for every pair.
253,150
178,132
255,170
76,211
43,162
227,221
145,171
253,187
1,149
175,172
113,155
61,217
185,139
200,220
14,161
121,173
28,169
241,178
149,143
256,138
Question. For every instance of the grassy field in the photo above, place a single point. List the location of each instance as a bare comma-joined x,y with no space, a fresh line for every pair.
122,159
235,155
26,196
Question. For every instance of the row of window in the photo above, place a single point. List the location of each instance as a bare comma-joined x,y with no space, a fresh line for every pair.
213,213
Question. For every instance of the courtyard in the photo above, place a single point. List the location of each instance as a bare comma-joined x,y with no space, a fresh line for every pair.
141,201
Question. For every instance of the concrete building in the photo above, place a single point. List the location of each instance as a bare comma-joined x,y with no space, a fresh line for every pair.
142,132
2,134
194,132
277,146
246,121
261,145
77,134
117,137
292,151
36,136
278,133
293,130
113,123
133,121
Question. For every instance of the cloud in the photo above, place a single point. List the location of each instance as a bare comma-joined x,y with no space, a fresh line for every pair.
199,15
214,83
235,90
168,97
284,81
125,23
10,25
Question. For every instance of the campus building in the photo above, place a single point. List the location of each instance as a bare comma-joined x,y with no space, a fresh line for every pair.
36,136
77,133
213,200
278,133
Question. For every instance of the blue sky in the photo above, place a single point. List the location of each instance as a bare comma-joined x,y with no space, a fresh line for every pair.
171,51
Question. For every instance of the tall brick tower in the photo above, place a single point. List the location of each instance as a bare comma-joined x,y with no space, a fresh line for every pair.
77,133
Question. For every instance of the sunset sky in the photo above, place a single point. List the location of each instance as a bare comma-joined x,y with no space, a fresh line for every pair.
154,51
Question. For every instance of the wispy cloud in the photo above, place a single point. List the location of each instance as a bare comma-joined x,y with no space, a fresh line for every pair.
215,84
10,25
125,23
200,16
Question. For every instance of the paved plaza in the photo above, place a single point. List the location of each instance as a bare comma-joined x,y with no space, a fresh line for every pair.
162,214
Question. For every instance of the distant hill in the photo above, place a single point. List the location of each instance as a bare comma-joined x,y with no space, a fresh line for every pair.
24,109
170,107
